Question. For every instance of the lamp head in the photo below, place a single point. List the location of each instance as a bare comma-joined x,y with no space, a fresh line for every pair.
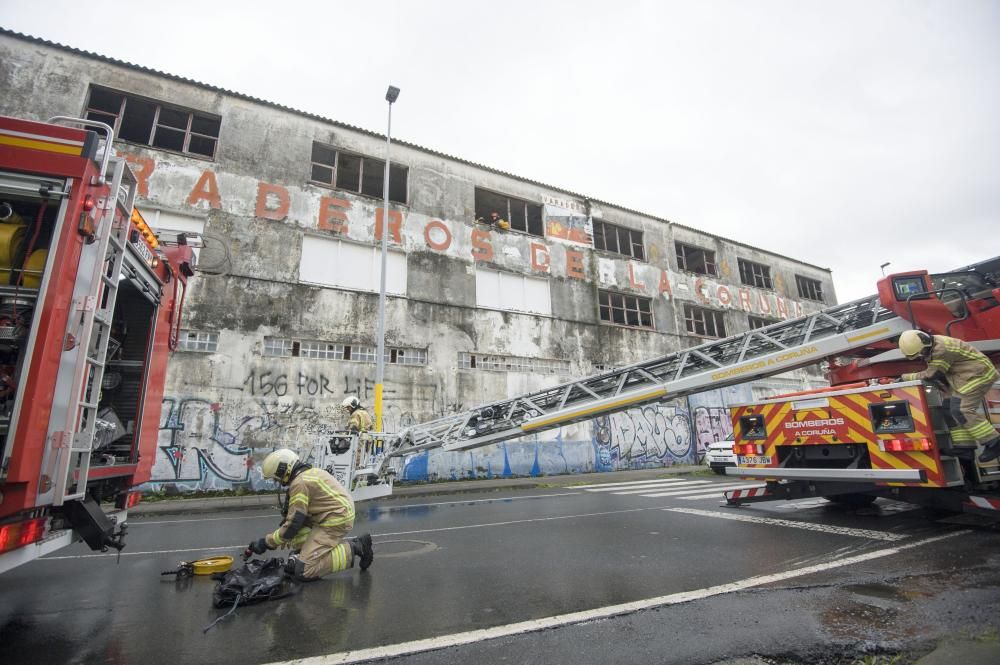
391,94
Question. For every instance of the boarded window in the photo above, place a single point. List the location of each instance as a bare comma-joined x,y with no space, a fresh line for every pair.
338,264
149,122
695,259
625,310
755,274
496,363
512,292
357,173
811,289
704,322
522,215
618,239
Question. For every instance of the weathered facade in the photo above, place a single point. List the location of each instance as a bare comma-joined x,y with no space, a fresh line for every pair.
281,325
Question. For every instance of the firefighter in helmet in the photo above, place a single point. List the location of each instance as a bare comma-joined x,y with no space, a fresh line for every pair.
360,420
969,375
320,513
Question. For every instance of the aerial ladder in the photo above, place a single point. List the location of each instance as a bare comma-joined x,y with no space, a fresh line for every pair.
962,303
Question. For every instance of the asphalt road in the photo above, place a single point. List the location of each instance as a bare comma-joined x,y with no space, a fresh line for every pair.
603,574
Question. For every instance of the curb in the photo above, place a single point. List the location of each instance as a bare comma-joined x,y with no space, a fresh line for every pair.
256,501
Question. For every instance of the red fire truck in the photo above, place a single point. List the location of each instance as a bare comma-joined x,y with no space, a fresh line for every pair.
89,311
871,435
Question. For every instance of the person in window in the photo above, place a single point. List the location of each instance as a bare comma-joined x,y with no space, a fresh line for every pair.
496,221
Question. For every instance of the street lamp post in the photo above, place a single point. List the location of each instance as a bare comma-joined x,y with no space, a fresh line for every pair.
390,96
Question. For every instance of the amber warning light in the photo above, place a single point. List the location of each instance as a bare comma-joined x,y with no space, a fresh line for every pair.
144,230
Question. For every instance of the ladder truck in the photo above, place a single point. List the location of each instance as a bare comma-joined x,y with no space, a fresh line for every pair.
90,303
855,340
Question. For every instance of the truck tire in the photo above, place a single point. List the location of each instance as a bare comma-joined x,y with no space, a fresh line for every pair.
852,500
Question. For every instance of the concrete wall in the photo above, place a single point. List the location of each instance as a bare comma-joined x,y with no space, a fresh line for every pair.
225,410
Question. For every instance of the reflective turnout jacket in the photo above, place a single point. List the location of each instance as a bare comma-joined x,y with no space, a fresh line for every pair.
965,368
316,500
360,421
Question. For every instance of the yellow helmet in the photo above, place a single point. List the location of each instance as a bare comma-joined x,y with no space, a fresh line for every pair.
915,343
279,464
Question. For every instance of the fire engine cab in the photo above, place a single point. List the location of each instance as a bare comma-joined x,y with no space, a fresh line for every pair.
89,311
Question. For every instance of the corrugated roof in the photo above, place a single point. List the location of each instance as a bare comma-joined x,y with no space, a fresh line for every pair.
360,130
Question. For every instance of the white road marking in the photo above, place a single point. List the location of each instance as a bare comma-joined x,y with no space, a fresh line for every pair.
547,623
374,535
151,552
824,528
716,494
382,509
634,483
717,489
691,484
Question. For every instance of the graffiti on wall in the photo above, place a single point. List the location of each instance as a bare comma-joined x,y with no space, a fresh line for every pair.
711,424
653,435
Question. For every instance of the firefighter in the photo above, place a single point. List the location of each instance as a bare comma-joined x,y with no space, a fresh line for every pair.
969,375
320,512
360,420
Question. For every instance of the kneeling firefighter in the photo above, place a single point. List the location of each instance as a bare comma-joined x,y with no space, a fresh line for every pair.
319,514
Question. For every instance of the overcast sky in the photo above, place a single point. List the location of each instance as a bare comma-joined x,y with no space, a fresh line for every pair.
846,133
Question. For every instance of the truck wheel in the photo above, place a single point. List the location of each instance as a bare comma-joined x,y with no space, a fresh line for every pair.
852,500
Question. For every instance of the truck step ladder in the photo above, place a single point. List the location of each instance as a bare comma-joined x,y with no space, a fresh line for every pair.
755,354
89,330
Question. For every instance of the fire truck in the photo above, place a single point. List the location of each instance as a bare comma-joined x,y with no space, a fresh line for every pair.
90,302
866,436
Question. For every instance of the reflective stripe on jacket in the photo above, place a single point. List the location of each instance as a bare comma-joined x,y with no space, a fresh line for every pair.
965,368
321,498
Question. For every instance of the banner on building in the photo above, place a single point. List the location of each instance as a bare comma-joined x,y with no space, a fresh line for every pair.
569,225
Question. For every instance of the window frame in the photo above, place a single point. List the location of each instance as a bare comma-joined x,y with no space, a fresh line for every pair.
618,230
712,266
755,274
204,341
492,362
761,321
332,184
611,308
813,290
155,125
528,207
718,321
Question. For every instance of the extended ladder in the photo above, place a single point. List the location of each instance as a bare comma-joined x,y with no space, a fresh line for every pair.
81,369
759,353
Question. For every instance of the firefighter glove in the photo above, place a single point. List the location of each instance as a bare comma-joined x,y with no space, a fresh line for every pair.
258,546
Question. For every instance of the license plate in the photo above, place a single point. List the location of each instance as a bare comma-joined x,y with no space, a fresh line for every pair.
755,460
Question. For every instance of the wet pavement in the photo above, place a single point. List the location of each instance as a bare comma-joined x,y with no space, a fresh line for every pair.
447,565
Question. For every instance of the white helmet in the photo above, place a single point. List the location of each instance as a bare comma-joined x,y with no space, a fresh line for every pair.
279,464
914,343
350,404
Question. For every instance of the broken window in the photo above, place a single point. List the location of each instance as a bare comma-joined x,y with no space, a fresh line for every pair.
755,274
811,289
151,123
618,239
356,173
193,340
522,215
695,259
760,322
625,310
512,364
704,322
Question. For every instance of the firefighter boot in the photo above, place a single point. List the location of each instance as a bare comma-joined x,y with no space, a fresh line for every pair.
991,451
295,569
362,547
